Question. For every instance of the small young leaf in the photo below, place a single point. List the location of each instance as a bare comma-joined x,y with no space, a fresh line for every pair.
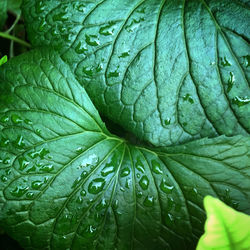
3,60
225,228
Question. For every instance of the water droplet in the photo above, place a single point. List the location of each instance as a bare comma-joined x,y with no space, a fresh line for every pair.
107,170
138,175
60,17
90,231
170,203
76,182
124,54
108,29
19,143
134,24
38,131
81,48
101,205
169,219
4,178
194,191
188,98
37,184
139,165
246,60
167,121
122,189
79,199
230,82
96,186
83,193
47,168
225,62
6,161
114,73
79,150
30,195
23,163
141,10
125,172
115,204
54,32
128,183
149,201
89,70
80,7
165,187
240,101
27,121
16,119
156,167
41,153
19,191
4,119
39,7
92,40
144,182
139,194
91,160
4,142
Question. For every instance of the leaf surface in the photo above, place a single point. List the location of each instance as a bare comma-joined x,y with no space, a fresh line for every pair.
67,183
151,65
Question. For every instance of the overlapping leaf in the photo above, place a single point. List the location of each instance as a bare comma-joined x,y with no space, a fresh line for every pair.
151,65
66,183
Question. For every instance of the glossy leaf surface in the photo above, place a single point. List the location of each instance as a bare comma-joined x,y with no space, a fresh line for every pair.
67,183
151,65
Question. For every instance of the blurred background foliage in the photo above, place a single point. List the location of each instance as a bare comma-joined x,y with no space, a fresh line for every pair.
12,32
12,43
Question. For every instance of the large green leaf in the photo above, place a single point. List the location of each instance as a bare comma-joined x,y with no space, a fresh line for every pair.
151,65
67,183
225,228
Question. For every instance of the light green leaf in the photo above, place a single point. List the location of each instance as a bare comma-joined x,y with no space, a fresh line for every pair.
225,228
67,183
3,60
151,65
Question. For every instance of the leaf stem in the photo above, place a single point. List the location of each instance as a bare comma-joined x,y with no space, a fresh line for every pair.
14,24
15,39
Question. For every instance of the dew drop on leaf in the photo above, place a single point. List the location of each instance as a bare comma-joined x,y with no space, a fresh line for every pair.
144,182
156,167
149,201
125,172
19,191
165,187
96,186
16,119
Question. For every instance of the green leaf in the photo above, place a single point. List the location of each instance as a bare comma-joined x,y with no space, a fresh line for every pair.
225,228
14,6
3,60
67,183
151,65
3,13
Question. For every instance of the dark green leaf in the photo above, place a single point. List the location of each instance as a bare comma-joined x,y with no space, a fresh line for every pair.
66,183
3,13
168,71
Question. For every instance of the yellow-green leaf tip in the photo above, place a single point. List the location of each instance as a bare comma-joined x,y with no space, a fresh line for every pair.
225,228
